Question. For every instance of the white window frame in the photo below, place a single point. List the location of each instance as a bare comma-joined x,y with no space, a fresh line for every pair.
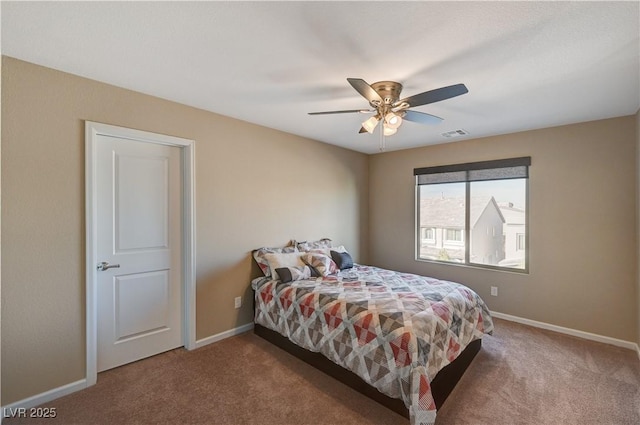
427,239
448,241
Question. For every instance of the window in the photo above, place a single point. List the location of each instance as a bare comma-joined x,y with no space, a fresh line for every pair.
474,213
428,235
453,235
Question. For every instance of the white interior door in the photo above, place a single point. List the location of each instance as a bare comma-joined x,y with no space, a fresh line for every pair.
139,250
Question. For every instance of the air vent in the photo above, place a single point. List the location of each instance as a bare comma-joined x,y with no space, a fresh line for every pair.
455,133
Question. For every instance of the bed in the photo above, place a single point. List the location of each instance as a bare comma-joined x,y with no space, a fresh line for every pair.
402,339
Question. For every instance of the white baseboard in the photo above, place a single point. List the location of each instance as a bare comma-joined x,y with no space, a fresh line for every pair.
46,396
568,331
222,335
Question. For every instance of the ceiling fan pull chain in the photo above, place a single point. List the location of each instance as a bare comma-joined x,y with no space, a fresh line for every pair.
382,139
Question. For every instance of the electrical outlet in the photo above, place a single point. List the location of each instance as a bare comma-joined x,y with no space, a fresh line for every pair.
494,291
238,302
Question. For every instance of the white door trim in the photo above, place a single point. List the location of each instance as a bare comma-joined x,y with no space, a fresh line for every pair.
92,130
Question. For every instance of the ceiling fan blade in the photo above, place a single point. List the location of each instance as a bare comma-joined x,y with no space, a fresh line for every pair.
421,117
362,130
365,89
348,111
433,96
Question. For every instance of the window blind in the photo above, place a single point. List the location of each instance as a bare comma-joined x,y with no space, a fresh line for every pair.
501,169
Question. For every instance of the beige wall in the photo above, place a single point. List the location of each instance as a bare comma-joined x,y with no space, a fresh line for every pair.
583,254
638,217
254,187
0,245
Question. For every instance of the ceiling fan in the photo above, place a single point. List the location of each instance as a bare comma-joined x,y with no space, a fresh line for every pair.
383,97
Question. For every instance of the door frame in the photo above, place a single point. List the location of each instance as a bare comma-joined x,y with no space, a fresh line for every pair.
92,131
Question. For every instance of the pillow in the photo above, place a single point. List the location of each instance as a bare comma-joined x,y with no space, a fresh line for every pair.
277,260
342,259
322,264
289,274
259,254
327,251
324,251
308,246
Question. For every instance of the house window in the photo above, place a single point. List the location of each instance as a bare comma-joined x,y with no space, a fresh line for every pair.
477,213
453,235
428,235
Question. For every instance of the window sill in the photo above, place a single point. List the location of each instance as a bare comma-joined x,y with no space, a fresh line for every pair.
475,266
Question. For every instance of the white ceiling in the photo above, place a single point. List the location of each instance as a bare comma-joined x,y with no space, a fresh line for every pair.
527,65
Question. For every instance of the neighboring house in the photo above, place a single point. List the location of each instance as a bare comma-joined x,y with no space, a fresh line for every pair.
514,234
442,229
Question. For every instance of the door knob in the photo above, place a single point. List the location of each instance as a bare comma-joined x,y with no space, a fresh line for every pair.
105,266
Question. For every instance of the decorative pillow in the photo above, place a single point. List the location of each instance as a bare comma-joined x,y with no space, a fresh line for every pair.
323,251
276,261
259,254
327,251
342,259
289,274
308,246
323,264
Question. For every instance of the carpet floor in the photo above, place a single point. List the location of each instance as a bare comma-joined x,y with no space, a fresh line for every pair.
522,376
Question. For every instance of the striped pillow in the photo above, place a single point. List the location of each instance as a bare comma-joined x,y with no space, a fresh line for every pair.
289,274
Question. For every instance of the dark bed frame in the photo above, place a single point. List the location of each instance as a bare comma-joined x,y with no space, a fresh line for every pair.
441,386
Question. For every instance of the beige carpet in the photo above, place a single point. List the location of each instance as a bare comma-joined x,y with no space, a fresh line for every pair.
522,375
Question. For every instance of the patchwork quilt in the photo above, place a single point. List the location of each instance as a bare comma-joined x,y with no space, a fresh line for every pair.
394,330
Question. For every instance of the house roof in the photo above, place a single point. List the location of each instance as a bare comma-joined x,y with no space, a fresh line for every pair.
449,212
526,65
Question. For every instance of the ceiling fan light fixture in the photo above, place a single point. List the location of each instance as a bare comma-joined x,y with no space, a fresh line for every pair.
392,120
389,131
370,124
